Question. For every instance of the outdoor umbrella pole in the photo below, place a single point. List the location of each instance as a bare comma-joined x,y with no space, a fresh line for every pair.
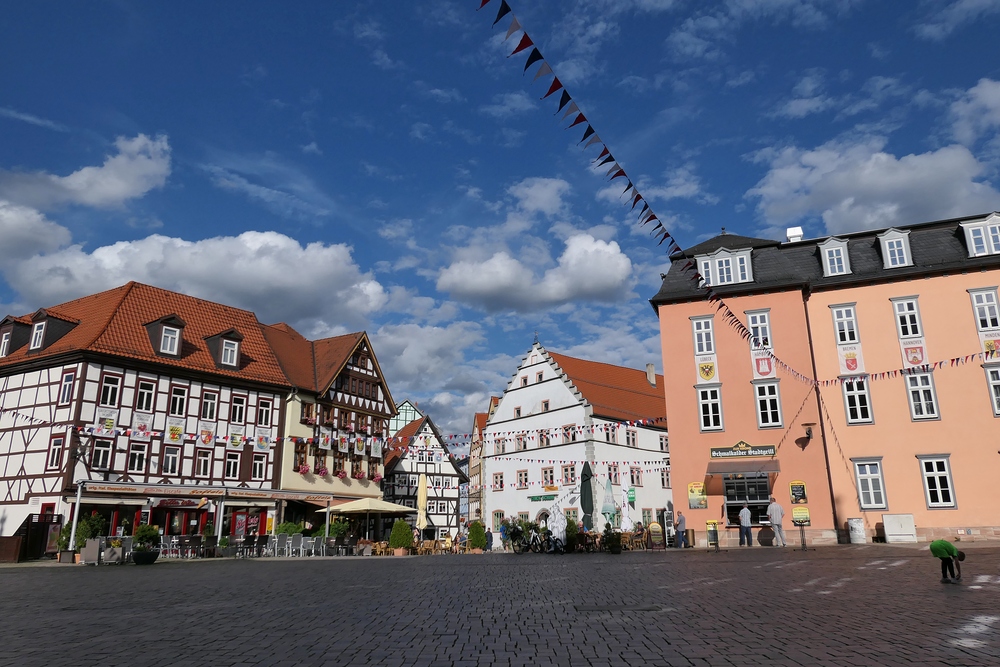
327,531
587,496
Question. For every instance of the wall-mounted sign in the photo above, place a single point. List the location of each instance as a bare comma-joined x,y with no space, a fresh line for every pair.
549,487
798,492
741,449
631,495
697,498
542,499
800,516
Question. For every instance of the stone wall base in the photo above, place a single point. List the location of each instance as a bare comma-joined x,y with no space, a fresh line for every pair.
729,538
975,534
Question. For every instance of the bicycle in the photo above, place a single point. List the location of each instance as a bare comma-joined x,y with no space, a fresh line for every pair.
518,541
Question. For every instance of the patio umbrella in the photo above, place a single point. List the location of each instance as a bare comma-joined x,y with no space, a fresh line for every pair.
366,506
422,503
587,496
608,508
626,519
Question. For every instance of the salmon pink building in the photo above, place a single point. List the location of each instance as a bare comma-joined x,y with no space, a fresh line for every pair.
855,378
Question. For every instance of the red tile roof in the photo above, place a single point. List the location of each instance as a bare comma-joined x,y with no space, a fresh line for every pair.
113,323
615,392
399,445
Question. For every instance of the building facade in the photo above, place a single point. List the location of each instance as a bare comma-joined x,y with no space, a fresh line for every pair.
557,414
856,378
476,491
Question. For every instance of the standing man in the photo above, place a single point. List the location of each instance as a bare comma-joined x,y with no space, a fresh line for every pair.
681,526
745,533
776,514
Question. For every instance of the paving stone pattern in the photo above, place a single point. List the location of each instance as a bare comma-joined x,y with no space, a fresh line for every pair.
848,605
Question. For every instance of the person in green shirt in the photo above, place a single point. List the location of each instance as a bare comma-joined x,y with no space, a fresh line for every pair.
951,558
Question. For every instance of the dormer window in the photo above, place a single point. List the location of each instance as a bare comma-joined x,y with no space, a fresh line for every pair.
230,352
725,267
4,343
983,237
833,254
225,348
37,336
169,339
895,249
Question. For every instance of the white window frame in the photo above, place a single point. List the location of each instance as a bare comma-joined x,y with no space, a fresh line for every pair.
985,308
258,471
706,272
171,461
939,488
982,237
702,330
852,392
845,323
993,384
759,324
238,409
4,344
170,338
724,270
709,396
178,394
230,352
203,463
767,399
54,459
895,248
922,396
102,455
209,405
867,471
232,470
264,412
37,336
114,391
137,457
66,386
907,313
145,395
836,260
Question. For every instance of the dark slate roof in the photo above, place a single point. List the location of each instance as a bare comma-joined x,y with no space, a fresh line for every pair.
936,247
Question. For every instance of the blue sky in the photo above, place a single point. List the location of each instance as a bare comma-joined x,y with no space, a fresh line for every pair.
384,166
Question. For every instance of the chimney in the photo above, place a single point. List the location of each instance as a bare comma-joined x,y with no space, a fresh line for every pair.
651,374
793,234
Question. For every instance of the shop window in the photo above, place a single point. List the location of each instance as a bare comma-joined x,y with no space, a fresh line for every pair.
101,457
750,488
171,458
259,467
498,481
137,458
871,487
937,481
232,465
109,391
178,402
768,404
144,396
66,388
569,474
203,463
54,460
548,476
522,479
857,400
209,400
920,392
237,412
647,517
710,408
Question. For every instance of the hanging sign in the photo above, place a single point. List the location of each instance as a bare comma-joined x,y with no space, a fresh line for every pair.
743,449
851,359
359,446
990,342
763,364
798,492
262,438
325,437
707,367
541,499
376,452
106,420
142,423
343,446
914,351
631,495
175,430
697,498
236,434
206,433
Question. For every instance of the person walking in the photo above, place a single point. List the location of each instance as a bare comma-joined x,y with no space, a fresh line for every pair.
775,513
745,520
681,526
489,540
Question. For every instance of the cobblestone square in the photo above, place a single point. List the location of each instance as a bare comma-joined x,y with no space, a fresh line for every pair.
848,605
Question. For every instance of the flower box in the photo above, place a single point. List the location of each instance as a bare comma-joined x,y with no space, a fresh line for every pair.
342,474
322,471
303,469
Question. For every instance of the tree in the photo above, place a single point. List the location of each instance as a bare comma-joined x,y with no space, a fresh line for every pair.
401,536
477,535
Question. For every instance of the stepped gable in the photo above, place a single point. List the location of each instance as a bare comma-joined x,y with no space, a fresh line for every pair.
615,392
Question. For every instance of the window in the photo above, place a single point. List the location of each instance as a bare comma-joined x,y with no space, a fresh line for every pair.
937,481
101,457
54,461
572,515
897,255
725,267
703,343
857,400
4,343
548,477
264,413
907,318
635,476
209,400
259,466
983,239
438,483
522,516
706,272
768,404
724,270
920,391
109,391
497,521
895,248
569,474
870,485
665,478
845,324
985,304
230,352
137,457
169,339
631,437
543,439
522,479
545,406
238,409
144,396
37,336
835,262
66,388
299,455
538,376
498,481
611,432
710,407
171,457
751,488
232,465
498,448
664,442
517,412
993,379
521,443
178,401
524,381
760,329
203,463
613,473
569,434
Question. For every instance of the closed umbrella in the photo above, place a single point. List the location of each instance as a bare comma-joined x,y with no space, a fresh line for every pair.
608,508
422,503
626,519
587,496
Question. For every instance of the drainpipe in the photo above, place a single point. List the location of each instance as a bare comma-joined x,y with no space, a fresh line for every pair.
806,292
76,515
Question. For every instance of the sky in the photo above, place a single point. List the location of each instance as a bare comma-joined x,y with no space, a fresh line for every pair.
385,166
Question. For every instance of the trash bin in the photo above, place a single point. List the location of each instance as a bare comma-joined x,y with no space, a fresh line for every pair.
712,530
689,538
856,528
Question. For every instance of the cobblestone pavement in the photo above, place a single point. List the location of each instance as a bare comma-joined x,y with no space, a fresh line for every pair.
847,605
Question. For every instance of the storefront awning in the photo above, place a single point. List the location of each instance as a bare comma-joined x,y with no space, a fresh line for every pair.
743,466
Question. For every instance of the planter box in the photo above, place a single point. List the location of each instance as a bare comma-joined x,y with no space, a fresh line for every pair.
401,551
145,557
364,550
67,556
113,555
475,551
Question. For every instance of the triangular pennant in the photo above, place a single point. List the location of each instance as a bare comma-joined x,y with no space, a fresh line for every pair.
556,85
580,118
504,10
620,172
485,2
522,45
570,110
543,70
514,27
627,188
615,167
533,58
645,207
586,133
603,153
593,140
635,201
609,158
564,99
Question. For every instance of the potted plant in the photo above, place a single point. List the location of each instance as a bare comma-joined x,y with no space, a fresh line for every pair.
146,550
401,538
571,533
339,528
341,474
477,537
322,471
113,552
303,469
359,474
611,540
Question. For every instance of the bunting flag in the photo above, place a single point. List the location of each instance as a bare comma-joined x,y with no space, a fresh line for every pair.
522,45
504,10
514,27
533,58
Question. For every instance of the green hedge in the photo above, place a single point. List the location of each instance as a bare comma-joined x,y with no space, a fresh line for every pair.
401,536
477,535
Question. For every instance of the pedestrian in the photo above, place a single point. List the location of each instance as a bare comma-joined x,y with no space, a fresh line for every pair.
745,520
416,537
776,514
503,534
489,540
681,526
951,560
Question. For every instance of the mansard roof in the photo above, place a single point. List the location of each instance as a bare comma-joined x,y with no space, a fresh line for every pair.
614,392
113,323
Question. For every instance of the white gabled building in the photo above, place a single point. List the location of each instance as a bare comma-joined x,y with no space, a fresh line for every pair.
558,412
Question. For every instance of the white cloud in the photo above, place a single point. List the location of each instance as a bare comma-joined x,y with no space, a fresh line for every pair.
277,201
25,232
941,23
808,97
312,148
854,186
7,112
681,183
421,131
140,165
508,104
540,195
977,111
588,269
260,271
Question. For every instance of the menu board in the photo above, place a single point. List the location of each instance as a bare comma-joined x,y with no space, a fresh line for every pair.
797,489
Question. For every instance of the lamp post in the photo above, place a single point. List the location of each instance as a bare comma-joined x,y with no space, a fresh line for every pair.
76,515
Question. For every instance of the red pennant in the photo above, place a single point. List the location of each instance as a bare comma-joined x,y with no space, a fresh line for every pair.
620,172
579,119
485,2
556,85
524,43
603,153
